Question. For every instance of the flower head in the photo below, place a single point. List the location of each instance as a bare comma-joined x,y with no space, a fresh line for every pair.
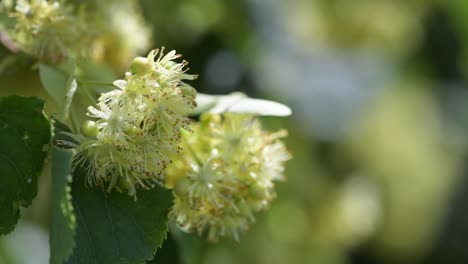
123,30
138,127
51,30
225,174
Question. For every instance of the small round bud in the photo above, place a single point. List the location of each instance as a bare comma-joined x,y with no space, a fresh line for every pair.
181,186
141,66
257,191
133,131
188,90
89,129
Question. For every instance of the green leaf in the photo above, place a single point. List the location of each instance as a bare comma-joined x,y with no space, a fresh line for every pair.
55,83
24,133
168,253
239,103
60,84
63,225
113,228
94,79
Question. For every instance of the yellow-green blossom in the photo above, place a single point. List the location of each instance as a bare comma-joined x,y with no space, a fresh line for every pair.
138,125
225,174
123,32
51,30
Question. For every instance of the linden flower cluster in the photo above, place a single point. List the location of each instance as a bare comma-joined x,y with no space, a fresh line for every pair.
225,175
117,20
50,30
138,125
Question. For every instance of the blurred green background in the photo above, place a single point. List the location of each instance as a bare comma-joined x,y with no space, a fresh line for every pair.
379,132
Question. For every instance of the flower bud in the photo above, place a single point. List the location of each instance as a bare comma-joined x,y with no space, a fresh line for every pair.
188,90
257,191
89,129
182,185
141,66
133,131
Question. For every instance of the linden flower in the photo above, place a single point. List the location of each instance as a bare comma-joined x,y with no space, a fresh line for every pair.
225,174
137,126
50,30
116,21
